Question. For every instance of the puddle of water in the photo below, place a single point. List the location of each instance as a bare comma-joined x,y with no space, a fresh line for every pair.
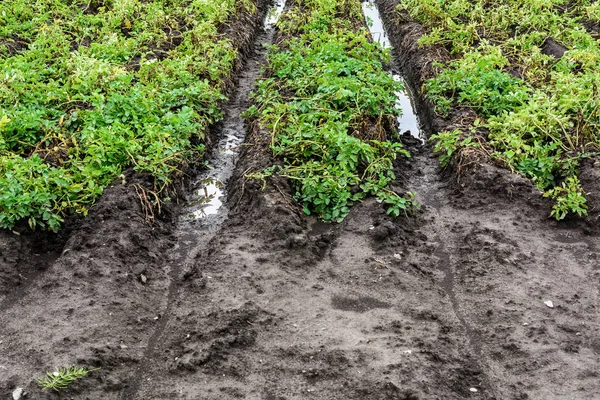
408,121
274,14
375,24
208,198
209,193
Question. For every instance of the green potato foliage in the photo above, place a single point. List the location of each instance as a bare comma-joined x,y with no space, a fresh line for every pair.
327,89
88,90
541,111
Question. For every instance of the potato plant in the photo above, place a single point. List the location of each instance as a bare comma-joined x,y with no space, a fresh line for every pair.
540,107
325,104
90,89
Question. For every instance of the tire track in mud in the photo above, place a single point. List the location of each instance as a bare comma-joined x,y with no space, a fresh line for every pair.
444,264
173,291
195,232
431,192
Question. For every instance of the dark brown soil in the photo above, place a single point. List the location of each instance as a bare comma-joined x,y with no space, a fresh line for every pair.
13,44
447,304
552,48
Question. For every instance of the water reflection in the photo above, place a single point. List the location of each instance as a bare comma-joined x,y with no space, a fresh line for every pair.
408,121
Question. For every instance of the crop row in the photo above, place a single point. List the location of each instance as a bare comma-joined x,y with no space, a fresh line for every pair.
531,71
90,89
329,106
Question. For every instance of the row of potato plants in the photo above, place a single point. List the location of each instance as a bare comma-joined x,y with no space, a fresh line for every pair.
329,107
90,89
539,110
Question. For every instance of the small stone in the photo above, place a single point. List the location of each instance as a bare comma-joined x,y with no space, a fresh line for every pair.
473,390
407,351
525,324
578,334
17,393
549,303
143,278
397,256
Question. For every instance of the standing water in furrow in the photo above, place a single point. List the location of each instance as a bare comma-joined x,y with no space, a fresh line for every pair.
408,121
205,207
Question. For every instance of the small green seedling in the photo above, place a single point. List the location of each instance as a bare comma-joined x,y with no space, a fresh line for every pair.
63,377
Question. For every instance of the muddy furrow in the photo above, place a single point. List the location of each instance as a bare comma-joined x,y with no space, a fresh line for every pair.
526,298
202,218
433,193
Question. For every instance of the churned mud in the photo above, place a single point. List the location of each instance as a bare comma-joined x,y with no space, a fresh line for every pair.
479,295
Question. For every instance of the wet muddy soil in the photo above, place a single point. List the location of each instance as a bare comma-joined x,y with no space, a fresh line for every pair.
479,295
